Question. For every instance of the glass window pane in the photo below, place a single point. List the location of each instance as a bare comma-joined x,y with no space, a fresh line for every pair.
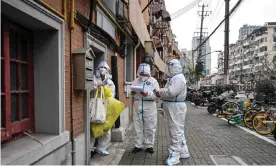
24,74
14,107
13,44
23,48
24,101
3,111
2,77
2,41
13,75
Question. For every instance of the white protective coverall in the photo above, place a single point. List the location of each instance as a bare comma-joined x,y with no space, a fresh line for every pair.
173,96
145,109
103,69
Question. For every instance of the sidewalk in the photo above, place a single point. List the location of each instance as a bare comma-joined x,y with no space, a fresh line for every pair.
207,136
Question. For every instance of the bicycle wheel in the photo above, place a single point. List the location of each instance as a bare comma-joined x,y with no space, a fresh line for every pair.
231,121
248,118
263,123
230,107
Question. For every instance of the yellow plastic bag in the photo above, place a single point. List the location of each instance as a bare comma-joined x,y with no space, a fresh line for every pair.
113,110
247,103
107,92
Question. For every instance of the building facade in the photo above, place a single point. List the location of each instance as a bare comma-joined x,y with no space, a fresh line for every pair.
246,29
44,116
252,58
206,53
186,64
163,38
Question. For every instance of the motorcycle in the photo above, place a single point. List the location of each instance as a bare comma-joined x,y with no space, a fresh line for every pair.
216,102
202,98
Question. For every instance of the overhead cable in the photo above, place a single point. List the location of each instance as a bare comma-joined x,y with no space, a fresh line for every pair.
184,10
231,12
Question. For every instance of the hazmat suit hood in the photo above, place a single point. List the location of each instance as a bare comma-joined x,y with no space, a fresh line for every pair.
143,69
103,69
174,67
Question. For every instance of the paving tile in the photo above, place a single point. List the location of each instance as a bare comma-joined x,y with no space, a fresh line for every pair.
206,135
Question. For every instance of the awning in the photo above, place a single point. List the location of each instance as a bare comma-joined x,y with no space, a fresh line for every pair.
138,24
159,63
137,20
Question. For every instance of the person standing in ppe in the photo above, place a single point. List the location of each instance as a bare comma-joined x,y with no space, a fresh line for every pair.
145,110
173,96
103,79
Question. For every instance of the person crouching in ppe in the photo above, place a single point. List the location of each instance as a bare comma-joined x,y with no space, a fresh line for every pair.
103,79
173,96
145,110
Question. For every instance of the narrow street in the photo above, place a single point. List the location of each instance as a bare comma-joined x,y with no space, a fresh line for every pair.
207,136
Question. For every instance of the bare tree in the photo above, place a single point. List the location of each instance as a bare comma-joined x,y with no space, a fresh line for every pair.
268,69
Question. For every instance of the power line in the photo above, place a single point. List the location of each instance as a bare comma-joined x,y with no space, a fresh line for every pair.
231,12
183,9
218,2
215,16
190,6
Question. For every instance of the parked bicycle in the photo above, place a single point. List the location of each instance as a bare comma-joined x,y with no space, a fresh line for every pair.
264,122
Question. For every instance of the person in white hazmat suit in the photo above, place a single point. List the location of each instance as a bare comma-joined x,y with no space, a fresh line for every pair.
102,78
145,109
173,96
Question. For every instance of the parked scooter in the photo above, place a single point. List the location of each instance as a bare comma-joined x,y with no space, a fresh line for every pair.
218,101
202,98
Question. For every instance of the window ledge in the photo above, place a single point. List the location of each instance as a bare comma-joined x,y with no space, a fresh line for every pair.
26,150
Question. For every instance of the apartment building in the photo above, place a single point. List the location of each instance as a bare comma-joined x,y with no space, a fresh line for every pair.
220,68
163,38
250,58
246,29
206,56
44,115
185,62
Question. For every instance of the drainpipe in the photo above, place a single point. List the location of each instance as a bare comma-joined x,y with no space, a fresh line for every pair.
71,27
135,50
71,103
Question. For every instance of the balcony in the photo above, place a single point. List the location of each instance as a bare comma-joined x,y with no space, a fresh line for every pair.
246,43
157,7
238,62
246,51
157,42
122,11
260,54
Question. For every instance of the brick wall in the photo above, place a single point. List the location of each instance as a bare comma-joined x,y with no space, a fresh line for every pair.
77,41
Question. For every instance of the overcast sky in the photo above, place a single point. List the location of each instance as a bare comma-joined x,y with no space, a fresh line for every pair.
253,12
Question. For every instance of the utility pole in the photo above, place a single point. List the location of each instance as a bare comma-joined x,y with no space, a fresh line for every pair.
226,43
202,14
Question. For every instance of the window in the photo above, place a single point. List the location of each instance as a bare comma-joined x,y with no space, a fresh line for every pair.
104,23
274,29
129,63
274,39
274,48
111,5
16,81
